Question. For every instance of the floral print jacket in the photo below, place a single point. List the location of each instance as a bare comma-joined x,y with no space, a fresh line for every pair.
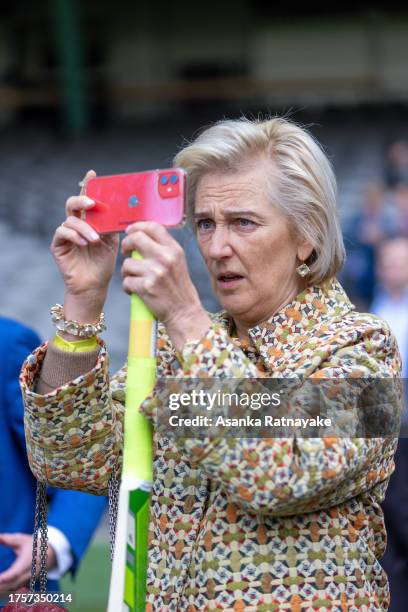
242,524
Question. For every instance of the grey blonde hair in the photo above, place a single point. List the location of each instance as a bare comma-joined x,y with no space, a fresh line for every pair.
302,182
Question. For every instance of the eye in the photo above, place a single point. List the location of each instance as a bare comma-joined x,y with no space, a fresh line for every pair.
203,225
245,223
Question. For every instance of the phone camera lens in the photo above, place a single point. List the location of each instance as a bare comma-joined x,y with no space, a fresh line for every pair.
174,179
164,180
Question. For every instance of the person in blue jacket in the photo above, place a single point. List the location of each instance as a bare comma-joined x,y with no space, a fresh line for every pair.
72,516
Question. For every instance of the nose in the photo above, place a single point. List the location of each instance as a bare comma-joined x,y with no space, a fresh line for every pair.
219,246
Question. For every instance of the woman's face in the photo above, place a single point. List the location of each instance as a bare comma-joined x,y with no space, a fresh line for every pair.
247,245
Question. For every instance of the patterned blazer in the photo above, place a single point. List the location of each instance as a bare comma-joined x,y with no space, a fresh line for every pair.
242,524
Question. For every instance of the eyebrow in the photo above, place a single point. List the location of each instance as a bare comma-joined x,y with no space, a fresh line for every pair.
230,212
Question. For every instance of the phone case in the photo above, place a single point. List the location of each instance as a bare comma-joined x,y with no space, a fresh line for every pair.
122,199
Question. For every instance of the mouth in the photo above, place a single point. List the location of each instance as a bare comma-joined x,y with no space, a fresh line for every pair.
229,280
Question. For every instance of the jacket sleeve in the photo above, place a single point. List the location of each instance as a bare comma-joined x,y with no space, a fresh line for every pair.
74,434
284,476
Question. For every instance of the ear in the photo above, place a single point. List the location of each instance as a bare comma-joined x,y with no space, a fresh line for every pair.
304,250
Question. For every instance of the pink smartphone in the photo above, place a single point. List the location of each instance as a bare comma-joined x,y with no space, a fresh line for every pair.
122,199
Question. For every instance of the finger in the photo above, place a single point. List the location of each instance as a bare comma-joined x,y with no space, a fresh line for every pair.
137,284
16,583
143,268
156,231
18,569
82,228
13,540
90,174
149,248
141,242
133,267
65,234
76,204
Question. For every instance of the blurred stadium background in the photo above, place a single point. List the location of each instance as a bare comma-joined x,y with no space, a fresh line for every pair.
119,86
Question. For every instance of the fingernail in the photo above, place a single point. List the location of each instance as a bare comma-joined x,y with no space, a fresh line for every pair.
93,235
88,201
83,242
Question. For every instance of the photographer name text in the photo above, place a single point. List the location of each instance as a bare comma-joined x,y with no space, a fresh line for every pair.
248,421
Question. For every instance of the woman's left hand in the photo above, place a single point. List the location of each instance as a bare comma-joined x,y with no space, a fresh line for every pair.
163,282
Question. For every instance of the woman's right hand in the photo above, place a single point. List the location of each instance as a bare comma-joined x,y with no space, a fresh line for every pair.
86,260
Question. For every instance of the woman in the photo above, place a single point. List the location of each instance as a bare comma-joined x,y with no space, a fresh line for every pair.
242,524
